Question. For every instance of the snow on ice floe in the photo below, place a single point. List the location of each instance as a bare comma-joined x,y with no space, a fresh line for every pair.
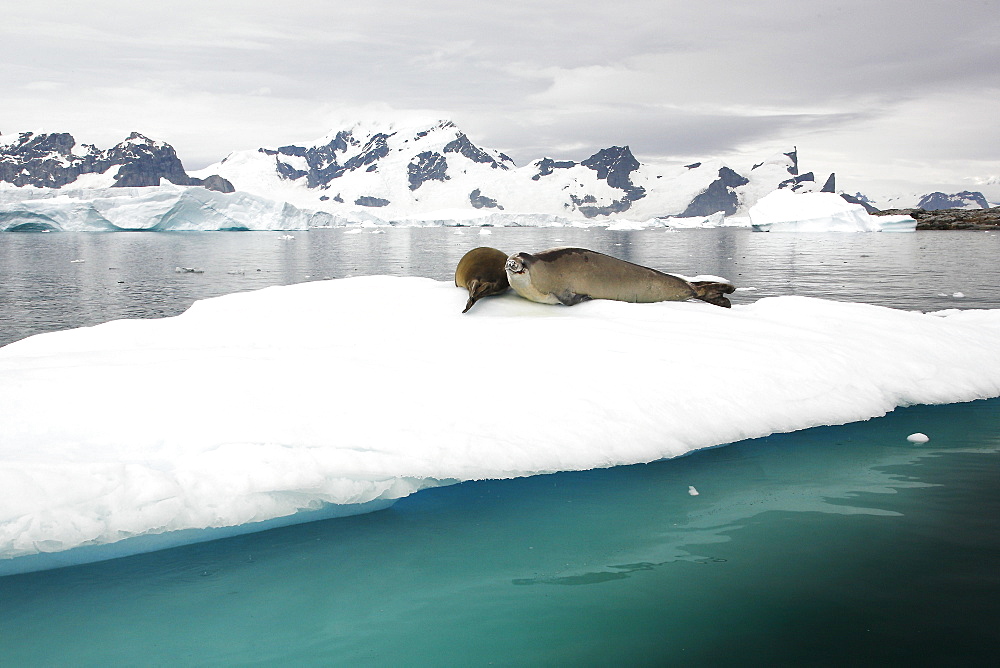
787,211
340,396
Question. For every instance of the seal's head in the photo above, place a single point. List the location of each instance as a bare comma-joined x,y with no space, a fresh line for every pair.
518,264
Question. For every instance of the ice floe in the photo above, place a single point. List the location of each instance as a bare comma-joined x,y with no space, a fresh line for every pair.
339,396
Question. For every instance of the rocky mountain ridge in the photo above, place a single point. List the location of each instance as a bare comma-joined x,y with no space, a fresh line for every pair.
53,160
430,170
423,170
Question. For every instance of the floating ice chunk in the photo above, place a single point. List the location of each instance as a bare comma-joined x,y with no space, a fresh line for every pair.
76,261
625,224
692,491
485,231
958,295
208,420
287,237
918,438
787,211
717,219
188,270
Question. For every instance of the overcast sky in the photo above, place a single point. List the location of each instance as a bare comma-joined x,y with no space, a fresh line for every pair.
906,89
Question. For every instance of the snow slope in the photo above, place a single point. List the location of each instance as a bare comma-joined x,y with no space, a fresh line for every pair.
340,396
401,171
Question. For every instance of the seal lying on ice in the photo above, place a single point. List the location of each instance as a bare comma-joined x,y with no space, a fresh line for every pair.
572,275
481,272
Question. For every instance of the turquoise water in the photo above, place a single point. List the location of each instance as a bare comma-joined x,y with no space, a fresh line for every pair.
832,546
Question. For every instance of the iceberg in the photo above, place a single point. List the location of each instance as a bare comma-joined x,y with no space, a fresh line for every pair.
340,396
787,211
169,207
156,208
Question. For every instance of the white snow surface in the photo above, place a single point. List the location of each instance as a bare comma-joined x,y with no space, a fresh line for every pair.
265,406
788,211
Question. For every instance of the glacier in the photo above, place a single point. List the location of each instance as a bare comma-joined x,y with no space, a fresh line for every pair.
169,207
334,397
162,208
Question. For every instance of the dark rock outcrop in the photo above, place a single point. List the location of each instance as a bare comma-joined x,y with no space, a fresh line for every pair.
144,162
860,199
589,210
719,196
831,184
793,155
325,163
365,200
54,160
547,165
481,201
375,149
615,165
950,219
463,146
46,160
796,181
216,183
427,166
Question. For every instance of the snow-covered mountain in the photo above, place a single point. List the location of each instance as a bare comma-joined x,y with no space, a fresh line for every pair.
54,160
963,200
398,171
430,173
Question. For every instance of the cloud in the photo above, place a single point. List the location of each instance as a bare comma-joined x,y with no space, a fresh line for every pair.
881,82
44,85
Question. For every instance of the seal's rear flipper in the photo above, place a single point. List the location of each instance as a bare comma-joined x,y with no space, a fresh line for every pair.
479,289
714,292
569,298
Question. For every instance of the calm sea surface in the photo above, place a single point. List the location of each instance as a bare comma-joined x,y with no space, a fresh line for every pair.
832,546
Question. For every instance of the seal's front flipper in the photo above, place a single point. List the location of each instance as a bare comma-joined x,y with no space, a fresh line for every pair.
714,292
568,298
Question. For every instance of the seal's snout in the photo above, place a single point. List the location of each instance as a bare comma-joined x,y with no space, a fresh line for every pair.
515,266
